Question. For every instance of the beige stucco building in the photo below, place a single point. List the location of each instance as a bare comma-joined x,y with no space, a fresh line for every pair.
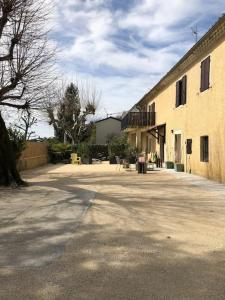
182,118
107,128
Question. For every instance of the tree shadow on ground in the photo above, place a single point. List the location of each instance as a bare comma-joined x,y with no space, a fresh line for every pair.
158,193
127,248
108,263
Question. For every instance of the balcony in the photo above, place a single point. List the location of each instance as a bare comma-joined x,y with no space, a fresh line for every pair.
138,119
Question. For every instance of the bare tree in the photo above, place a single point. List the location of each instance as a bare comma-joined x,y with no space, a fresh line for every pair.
88,93
27,121
25,61
53,97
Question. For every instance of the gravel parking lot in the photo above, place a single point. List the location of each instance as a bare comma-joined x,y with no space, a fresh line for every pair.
94,232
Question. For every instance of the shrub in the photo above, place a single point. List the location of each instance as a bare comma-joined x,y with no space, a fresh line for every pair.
59,152
119,147
83,151
89,151
17,140
153,157
60,147
99,151
132,154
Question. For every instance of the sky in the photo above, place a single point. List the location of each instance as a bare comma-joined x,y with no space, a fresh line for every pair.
125,46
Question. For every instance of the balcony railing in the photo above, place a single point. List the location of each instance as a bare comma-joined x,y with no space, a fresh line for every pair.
138,119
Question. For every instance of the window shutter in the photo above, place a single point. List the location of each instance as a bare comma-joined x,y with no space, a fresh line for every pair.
177,93
201,149
202,77
206,150
152,107
205,73
184,90
189,146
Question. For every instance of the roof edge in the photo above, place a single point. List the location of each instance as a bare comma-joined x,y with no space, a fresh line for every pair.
197,46
107,119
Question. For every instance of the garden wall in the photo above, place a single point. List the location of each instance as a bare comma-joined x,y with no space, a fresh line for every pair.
35,155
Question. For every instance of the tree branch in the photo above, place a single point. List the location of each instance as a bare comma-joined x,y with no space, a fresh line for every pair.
18,106
14,41
7,8
13,97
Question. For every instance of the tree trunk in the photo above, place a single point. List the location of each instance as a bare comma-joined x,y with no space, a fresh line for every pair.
9,174
65,138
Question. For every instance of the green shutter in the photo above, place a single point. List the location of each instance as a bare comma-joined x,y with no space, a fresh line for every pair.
177,93
184,90
205,74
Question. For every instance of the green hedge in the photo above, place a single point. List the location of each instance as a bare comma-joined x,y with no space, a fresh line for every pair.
99,151
60,147
85,150
119,147
59,152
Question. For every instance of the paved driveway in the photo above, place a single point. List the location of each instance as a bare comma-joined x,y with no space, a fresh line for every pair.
154,236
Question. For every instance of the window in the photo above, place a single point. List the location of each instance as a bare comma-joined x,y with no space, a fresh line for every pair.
181,91
189,146
205,73
204,148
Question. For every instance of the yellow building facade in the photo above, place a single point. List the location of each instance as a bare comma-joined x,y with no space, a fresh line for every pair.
182,118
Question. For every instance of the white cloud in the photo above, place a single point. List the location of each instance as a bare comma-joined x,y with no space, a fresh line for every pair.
157,20
93,29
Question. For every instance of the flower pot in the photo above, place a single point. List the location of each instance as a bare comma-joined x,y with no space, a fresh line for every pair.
169,165
179,167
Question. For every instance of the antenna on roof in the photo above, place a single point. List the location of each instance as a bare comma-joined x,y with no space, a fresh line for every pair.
195,32
111,114
106,112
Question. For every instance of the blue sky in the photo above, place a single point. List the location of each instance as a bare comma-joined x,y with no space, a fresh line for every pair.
125,46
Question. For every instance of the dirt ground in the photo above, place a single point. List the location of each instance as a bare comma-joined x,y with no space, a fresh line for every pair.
100,233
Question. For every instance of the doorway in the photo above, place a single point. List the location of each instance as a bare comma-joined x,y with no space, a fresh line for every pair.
161,147
177,148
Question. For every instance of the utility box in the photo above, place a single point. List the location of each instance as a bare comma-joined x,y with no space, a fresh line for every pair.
179,167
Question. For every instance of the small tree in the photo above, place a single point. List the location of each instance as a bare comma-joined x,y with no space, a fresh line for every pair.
118,146
18,141
70,116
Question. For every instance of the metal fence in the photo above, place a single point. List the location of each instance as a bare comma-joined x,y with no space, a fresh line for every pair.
138,119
